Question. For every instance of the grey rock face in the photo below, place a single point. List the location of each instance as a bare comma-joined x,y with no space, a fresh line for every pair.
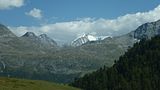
41,41
46,40
5,32
80,41
147,30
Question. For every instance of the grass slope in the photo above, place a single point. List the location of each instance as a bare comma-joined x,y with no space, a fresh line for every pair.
22,84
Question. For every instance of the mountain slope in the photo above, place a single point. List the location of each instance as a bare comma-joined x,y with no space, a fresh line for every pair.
42,42
11,44
147,30
22,84
5,32
137,69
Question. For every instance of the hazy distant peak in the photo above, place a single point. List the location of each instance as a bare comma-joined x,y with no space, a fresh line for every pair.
29,34
46,40
43,36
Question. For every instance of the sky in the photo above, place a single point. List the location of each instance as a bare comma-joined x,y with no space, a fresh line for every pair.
64,20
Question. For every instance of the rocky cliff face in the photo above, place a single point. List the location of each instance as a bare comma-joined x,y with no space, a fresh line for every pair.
42,41
5,32
147,30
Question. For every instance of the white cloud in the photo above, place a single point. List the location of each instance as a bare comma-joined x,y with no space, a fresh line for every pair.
36,13
67,31
7,4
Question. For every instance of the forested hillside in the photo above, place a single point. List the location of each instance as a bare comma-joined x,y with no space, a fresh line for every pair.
137,69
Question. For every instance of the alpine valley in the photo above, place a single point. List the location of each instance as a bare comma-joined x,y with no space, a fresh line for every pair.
39,57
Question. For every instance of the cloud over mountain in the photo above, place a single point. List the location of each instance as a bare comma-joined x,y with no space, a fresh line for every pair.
67,31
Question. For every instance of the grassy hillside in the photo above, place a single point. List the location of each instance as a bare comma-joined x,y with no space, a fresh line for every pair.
22,84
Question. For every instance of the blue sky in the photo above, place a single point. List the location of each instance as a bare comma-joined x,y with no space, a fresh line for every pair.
66,10
64,20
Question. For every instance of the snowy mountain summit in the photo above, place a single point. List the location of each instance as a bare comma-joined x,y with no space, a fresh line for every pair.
83,39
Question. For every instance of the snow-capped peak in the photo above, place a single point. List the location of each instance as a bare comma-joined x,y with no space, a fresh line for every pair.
83,39
91,38
86,38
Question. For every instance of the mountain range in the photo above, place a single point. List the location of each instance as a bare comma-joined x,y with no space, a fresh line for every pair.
39,57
